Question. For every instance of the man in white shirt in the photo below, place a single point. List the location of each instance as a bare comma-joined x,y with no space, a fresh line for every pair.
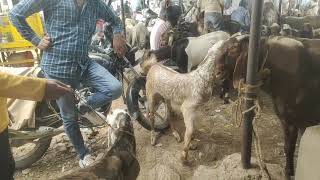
168,18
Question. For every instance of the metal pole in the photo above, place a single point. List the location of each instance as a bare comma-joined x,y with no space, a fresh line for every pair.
251,79
123,18
280,12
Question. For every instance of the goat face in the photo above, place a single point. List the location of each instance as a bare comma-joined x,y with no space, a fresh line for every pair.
227,70
116,120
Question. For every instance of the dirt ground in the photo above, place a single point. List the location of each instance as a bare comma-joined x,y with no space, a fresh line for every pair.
216,136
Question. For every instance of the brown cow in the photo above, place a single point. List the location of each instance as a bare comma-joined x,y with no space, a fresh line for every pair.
293,82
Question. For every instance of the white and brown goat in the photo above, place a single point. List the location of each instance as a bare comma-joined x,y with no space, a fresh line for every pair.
187,91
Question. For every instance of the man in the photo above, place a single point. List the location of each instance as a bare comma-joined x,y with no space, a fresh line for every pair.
168,18
212,10
242,16
70,25
19,87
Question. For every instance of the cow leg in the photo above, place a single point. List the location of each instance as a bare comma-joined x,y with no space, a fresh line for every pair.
188,111
290,139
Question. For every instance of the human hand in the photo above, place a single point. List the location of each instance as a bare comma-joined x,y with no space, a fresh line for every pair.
44,43
119,45
56,89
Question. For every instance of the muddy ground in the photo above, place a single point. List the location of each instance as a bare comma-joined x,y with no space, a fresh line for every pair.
216,137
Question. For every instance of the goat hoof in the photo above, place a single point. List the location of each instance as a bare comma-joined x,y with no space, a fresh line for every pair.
177,136
184,156
193,146
153,138
185,161
288,177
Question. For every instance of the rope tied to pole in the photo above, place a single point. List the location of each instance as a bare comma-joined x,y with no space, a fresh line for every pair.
238,114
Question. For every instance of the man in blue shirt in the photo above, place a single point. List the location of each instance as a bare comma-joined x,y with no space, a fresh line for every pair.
242,16
70,25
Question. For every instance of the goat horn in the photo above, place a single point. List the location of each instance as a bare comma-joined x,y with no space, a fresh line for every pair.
241,37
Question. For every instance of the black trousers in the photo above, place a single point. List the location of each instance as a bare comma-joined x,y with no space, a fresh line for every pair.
7,165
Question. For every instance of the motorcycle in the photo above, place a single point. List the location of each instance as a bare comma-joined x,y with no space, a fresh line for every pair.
136,96
34,142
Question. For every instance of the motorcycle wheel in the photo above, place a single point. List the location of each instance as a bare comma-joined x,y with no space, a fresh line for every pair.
39,148
36,148
137,105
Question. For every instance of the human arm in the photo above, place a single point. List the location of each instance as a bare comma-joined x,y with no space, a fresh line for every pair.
247,19
107,14
28,88
21,11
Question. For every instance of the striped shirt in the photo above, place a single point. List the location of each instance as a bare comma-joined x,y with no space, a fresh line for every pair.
157,32
70,29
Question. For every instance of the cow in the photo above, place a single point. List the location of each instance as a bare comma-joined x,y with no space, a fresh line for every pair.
292,82
307,31
298,22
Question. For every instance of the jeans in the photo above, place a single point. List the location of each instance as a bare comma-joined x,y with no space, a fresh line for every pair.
106,87
6,158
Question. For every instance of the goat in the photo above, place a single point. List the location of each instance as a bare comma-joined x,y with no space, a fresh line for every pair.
116,119
187,91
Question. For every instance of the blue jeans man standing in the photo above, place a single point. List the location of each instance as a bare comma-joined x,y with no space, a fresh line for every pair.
70,25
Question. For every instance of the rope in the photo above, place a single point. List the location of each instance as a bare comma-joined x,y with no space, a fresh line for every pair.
238,113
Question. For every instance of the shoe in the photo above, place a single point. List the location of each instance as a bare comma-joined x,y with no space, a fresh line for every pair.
88,160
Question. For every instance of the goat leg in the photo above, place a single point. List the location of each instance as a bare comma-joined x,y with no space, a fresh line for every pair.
151,114
175,133
290,139
152,132
188,115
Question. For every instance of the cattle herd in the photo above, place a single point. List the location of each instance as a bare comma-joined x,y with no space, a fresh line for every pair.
289,50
